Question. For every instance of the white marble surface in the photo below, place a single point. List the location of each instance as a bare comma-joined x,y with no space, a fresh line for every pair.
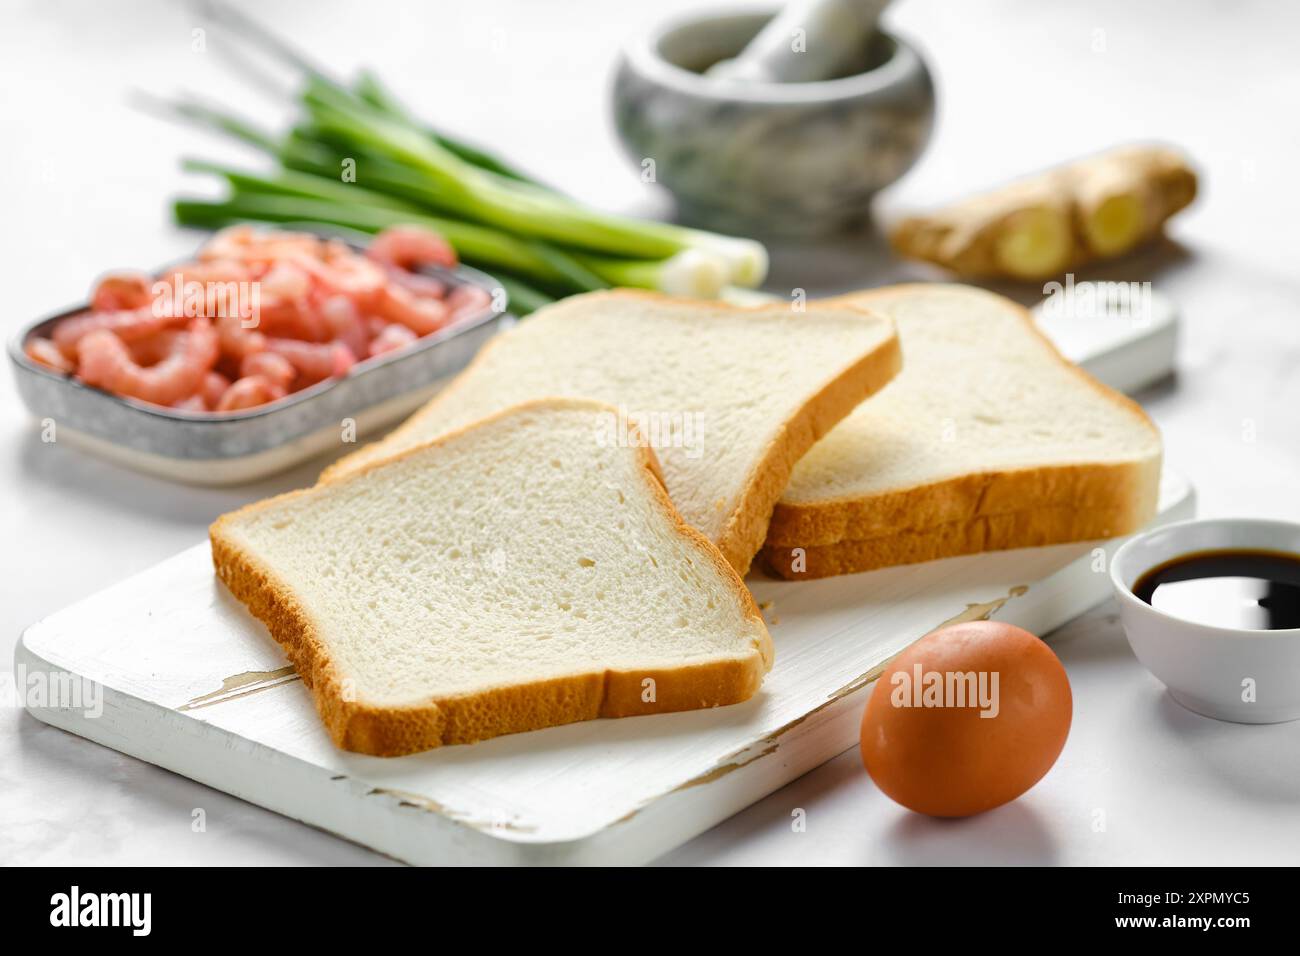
1020,83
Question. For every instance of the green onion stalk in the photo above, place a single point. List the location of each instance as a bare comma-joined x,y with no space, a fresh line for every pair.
522,207
496,217
355,206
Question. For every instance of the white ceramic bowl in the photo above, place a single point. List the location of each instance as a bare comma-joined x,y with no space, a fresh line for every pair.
1211,670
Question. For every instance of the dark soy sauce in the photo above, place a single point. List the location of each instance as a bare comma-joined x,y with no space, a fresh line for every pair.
1259,590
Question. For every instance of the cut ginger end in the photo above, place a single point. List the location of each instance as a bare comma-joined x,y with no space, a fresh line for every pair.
1115,226
1035,228
1035,243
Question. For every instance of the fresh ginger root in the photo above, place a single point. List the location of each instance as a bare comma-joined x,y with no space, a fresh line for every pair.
1036,228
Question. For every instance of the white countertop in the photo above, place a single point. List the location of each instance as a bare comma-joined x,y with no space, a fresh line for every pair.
1021,84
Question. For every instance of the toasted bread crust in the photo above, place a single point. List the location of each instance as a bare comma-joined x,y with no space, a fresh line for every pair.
747,526
392,731
979,511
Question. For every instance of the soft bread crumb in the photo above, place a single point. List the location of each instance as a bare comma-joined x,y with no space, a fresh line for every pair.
509,576
987,439
735,395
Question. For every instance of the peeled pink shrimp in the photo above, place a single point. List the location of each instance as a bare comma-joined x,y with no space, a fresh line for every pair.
152,349
212,289
214,270
347,274
245,243
106,362
194,403
213,387
288,246
314,361
229,243
418,314
285,280
417,282
249,392
127,326
237,340
45,352
321,307
276,369
122,292
292,319
409,247
345,323
393,337
468,300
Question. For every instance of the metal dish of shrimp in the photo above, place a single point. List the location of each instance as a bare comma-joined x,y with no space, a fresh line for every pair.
207,408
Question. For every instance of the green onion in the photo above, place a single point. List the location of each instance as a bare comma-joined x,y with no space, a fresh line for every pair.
528,256
369,88
376,173
519,207
406,171
691,272
298,184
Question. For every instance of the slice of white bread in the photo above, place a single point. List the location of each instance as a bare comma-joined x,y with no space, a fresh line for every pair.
729,397
508,576
988,439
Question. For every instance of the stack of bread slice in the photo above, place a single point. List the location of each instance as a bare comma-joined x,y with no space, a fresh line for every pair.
509,559
988,439
732,397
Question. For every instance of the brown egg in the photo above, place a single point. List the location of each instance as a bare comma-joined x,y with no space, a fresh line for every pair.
926,739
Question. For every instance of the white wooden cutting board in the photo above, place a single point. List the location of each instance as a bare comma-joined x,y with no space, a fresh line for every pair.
184,678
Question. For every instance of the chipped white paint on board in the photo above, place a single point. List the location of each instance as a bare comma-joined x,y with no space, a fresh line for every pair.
194,684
